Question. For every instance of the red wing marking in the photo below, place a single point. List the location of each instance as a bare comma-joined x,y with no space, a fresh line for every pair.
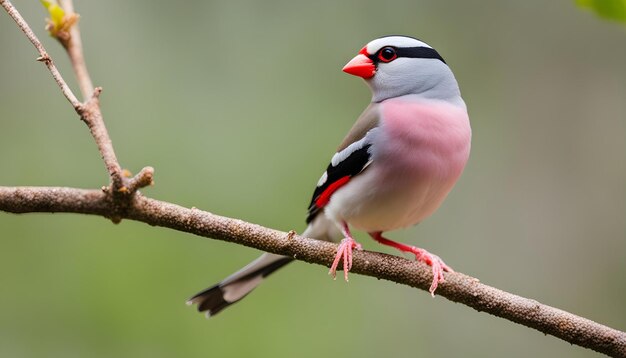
324,197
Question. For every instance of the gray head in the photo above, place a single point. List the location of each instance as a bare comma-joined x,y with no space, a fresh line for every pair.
396,66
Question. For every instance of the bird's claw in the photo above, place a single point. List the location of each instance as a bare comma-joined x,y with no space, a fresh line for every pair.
344,251
437,264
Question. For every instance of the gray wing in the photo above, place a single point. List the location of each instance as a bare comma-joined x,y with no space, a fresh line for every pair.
352,157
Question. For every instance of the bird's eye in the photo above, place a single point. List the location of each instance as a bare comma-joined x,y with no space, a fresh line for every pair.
387,54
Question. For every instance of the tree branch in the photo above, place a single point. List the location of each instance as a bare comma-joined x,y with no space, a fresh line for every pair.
92,116
121,200
457,287
74,48
89,111
43,54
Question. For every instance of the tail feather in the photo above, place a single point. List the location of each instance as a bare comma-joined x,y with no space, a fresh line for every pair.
238,285
241,283
211,300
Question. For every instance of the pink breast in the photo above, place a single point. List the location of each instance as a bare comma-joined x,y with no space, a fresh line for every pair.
429,137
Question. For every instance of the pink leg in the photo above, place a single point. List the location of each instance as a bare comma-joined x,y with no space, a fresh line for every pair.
420,255
344,251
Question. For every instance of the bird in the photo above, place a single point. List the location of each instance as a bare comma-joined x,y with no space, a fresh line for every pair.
392,170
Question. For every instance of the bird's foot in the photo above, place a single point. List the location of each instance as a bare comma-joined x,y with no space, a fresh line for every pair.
434,261
344,251
421,255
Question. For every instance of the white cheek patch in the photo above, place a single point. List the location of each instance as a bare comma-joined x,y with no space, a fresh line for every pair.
396,41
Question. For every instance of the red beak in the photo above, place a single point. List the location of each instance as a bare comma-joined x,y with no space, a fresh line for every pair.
361,65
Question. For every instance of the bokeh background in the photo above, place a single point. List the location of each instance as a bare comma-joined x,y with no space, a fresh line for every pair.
238,106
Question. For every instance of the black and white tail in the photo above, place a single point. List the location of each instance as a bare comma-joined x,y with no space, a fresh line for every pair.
238,285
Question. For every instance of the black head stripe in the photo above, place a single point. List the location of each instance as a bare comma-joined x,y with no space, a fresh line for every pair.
413,52
419,52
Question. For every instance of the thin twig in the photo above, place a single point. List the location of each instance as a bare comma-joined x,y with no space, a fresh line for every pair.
74,48
43,54
89,111
457,287
92,116
143,179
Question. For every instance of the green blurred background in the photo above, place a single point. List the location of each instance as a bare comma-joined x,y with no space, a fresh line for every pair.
238,106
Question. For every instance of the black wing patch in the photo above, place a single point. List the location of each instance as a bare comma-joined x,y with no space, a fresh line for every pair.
337,176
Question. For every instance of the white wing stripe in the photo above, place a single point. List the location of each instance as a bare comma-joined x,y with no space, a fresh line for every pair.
322,179
367,139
